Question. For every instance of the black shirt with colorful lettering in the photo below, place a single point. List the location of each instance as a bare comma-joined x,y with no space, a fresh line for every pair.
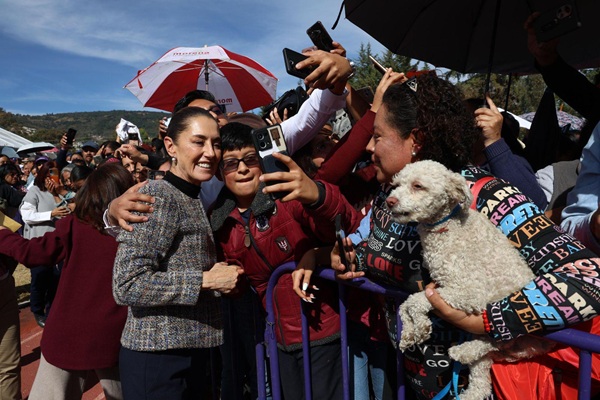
566,290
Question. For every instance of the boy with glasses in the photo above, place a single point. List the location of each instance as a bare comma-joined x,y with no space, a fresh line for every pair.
261,234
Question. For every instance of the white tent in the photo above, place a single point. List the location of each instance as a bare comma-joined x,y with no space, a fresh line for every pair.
12,139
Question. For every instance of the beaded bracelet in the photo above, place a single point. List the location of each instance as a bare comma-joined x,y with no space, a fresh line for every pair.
486,323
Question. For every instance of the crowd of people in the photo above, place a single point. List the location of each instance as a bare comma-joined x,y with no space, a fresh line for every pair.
144,258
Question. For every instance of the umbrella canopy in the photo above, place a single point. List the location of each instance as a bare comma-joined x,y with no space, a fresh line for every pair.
34,147
563,118
9,152
457,34
236,81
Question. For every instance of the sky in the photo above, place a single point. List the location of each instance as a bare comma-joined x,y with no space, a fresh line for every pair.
70,55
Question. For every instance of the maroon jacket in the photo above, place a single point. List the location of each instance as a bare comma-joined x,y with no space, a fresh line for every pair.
84,327
278,233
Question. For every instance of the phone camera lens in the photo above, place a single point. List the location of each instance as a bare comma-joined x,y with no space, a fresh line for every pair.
262,145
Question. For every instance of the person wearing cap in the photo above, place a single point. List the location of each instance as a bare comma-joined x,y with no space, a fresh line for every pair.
89,150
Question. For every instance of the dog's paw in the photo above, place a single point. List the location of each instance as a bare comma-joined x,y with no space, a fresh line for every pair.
406,341
456,354
469,352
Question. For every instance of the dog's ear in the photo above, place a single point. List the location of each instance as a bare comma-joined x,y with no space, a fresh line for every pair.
459,190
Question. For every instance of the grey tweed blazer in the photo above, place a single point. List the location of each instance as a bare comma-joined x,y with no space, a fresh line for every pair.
158,274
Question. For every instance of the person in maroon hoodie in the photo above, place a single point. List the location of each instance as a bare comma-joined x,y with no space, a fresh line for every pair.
83,331
261,234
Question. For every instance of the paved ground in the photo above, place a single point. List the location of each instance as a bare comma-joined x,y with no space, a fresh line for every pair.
31,334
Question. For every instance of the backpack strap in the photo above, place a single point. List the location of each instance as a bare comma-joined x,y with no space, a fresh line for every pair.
477,187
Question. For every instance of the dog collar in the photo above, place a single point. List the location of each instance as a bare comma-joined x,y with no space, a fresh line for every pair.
454,211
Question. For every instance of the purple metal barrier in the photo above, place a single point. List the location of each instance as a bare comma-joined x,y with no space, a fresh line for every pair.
588,343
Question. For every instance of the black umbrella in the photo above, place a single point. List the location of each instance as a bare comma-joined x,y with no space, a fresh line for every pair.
459,34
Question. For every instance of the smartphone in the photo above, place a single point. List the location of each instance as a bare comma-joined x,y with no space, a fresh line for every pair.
53,174
291,58
267,141
132,136
556,22
71,135
340,235
319,36
377,65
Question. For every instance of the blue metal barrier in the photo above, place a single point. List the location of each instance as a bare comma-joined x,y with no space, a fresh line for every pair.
586,342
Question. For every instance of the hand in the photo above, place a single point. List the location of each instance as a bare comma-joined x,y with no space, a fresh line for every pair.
345,272
302,274
63,143
222,277
162,127
52,187
120,209
467,322
296,182
389,78
490,122
274,116
338,49
331,71
132,152
60,212
545,53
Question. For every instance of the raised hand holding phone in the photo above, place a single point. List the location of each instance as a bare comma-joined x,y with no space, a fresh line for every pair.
293,184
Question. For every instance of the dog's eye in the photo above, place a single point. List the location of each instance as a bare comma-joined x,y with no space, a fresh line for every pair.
417,186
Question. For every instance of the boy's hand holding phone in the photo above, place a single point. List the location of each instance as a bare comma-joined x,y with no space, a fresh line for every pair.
295,182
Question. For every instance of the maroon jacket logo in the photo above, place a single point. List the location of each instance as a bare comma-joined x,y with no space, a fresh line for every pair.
283,244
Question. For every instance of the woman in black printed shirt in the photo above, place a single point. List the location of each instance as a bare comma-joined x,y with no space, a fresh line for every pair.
424,119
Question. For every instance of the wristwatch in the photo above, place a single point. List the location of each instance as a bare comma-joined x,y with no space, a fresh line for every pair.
353,66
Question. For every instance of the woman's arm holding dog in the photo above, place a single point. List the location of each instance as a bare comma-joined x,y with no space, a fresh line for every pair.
565,290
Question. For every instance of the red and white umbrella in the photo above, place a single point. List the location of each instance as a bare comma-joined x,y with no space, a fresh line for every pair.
236,81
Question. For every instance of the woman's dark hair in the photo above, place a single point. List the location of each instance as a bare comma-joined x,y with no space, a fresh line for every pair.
80,172
181,120
446,131
6,169
42,174
235,136
103,185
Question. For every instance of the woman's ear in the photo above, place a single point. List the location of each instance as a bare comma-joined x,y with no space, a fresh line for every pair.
417,138
170,146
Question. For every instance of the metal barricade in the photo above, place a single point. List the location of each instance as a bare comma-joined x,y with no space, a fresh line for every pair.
586,342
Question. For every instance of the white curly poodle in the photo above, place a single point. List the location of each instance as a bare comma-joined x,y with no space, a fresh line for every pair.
470,260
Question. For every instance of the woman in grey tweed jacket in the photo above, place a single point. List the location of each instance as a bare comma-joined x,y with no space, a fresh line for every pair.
165,271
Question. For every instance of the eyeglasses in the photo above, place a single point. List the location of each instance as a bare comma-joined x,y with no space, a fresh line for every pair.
232,164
